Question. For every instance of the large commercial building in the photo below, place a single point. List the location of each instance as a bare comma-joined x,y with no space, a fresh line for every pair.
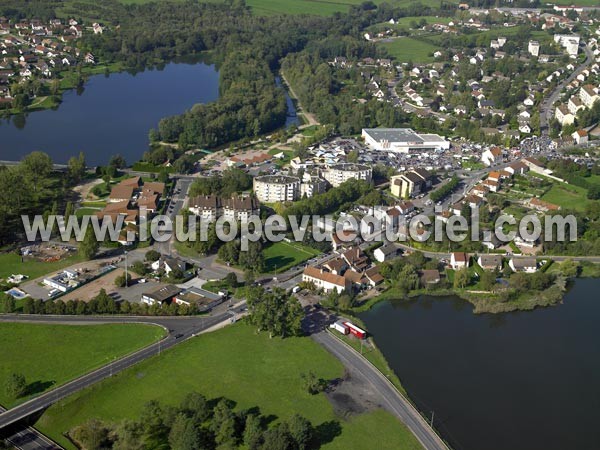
339,173
403,140
277,188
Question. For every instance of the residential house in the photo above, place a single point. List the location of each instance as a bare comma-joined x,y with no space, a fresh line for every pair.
528,265
429,277
490,262
492,156
580,136
459,260
386,252
168,264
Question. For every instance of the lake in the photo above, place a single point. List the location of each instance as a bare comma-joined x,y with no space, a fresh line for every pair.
524,380
112,115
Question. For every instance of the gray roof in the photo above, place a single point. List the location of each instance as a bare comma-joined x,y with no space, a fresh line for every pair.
394,135
388,249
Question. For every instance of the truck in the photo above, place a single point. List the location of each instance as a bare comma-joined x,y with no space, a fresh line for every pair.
356,331
340,327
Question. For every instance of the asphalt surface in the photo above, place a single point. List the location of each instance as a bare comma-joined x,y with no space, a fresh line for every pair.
180,329
27,438
394,402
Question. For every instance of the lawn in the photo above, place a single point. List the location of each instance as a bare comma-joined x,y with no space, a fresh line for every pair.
280,256
50,355
239,364
10,263
406,49
568,196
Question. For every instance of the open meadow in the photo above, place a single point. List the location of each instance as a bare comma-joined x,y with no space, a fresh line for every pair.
406,49
51,355
280,256
237,363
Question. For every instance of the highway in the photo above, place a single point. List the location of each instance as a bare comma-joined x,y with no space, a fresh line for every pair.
27,438
180,329
394,402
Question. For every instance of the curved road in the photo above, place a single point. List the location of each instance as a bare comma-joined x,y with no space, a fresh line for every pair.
180,329
546,108
395,403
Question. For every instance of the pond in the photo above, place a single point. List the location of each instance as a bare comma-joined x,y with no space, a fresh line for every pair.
525,380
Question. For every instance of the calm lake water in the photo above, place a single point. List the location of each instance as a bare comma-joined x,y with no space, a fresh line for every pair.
526,380
112,115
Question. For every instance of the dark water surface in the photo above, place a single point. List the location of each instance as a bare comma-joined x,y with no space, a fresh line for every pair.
112,115
525,380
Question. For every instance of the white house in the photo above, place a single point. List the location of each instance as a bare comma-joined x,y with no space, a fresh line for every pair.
385,252
459,260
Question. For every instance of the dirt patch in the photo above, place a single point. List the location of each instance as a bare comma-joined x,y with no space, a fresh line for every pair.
351,395
83,190
90,290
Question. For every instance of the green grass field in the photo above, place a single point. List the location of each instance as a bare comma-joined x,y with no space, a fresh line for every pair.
568,196
50,355
404,23
250,369
406,49
281,256
316,7
10,263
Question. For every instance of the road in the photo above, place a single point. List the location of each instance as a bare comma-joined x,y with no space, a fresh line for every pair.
394,402
547,106
27,438
180,329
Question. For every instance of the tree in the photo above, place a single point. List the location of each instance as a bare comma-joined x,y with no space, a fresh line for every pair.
88,247
461,278
231,280
196,406
120,280
278,438
253,432
8,303
224,423
488,280
76,168
277,312
37,166
117,162
128,436
152,255
16,385
92,435
570,268
301,430
312,383
184,434
139,267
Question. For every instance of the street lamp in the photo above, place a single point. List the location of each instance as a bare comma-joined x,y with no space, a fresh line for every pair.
126,274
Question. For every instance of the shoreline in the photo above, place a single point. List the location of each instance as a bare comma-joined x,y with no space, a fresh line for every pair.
526,301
